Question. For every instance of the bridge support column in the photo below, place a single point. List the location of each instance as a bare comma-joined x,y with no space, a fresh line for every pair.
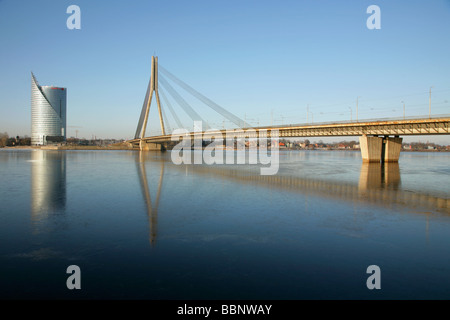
144,146
392,147
371,148
378,149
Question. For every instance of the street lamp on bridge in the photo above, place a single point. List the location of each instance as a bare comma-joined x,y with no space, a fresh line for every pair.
351,116
357,98
307,113
429,104
404,114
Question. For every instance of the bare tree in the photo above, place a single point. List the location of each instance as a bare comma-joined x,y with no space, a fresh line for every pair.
3,139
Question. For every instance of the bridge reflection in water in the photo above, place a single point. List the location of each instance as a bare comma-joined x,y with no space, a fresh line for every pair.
152,207
376,176
379,185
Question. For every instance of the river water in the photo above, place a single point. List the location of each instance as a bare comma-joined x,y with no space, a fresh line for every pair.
140,227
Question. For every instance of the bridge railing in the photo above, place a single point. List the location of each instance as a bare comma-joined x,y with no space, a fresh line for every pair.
439,116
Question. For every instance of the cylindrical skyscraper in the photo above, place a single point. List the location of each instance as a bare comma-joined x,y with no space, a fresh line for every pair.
48,113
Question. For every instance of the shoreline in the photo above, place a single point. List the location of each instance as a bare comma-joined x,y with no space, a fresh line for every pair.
112,148
62,148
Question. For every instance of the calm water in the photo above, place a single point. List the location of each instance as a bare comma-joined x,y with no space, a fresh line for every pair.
140,227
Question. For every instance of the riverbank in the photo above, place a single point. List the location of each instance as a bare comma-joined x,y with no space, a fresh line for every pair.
111,147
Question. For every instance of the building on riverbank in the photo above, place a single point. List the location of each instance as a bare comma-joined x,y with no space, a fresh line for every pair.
48,113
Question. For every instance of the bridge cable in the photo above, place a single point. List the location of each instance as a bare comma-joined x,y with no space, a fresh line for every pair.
231,117
174,115
186,107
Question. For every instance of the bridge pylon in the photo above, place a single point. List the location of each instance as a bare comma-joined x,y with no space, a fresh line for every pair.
152,88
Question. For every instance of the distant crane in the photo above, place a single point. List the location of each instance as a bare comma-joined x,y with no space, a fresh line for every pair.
76,131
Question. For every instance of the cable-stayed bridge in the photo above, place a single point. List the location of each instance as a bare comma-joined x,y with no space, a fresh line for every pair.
379,139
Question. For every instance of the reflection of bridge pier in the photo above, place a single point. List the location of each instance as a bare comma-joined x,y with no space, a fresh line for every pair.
379,176
152,211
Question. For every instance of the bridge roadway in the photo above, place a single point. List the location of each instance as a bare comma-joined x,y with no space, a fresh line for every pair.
373,147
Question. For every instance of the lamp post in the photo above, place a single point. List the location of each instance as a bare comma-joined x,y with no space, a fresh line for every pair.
357,108
351,116
307,113
429,104
404,114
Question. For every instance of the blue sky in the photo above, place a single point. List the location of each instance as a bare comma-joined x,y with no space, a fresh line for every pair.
264,61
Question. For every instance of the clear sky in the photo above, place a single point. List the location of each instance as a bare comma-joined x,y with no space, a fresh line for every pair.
264,61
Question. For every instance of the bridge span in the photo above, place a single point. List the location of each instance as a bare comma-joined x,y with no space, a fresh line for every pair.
380,141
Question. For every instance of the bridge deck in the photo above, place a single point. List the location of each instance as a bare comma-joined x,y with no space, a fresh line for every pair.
388,127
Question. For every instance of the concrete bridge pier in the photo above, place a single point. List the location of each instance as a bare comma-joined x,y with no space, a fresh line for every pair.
150,146
392,147
380,149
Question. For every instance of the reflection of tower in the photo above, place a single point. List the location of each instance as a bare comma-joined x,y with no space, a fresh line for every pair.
378,176
48,183
152,211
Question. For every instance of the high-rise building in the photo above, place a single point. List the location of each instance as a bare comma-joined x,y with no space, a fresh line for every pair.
48,113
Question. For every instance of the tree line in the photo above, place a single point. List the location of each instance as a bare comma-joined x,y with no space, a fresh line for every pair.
6,141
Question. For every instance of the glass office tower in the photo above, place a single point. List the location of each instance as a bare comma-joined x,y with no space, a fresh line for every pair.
48,113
